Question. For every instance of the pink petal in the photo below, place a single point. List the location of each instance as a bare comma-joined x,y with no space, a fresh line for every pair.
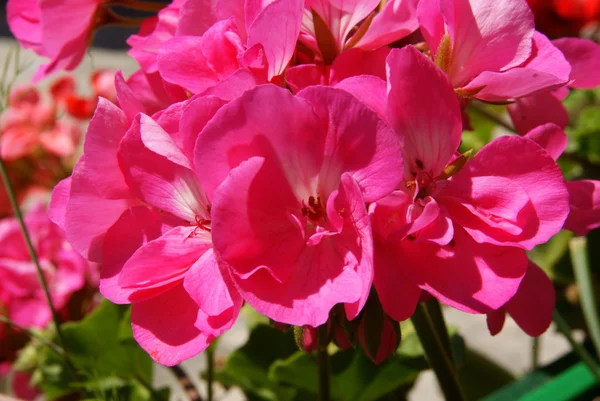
182,62
487,35
128,101
355,62
277,28
533,304
585,206
164,327
468,276
495,321
431,22
370,90
299,77
397,20
358,142
197,113
164,180
398,294
430,125
88,216
550,137
537,109
58,203
252,125
165,259
531,169
584,57
213,290
105,131
221,45
135,228
252,224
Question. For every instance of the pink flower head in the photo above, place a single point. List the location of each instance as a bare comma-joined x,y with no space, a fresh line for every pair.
22,299
229,49
489,48
531,307
58,30
289,218
136,203
345,39
457,228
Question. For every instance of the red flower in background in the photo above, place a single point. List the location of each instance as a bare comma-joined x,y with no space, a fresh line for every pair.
557,18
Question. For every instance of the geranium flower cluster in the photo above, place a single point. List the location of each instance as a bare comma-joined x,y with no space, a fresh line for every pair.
284,155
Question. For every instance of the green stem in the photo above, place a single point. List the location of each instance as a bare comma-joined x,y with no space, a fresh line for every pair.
185,382
581,267
437,317
438,359
492,116
210,374
535,353
581,352
19,216
57,349
323,364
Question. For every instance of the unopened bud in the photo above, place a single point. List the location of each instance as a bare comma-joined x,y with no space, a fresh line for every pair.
378,333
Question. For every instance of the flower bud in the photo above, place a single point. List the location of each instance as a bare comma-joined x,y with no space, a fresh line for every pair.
378,333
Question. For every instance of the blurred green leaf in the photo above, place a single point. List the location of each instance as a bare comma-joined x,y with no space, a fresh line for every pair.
248,367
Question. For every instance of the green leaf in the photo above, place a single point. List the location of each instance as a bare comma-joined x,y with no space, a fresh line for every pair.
248,367
354,376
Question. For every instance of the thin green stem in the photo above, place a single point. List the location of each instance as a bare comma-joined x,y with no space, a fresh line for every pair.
581,267
19,216
210,371
492,116
57,349
581,352
323,366
437,317
438,359
535,353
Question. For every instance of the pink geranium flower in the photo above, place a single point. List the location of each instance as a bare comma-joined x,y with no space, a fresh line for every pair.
489,48
227,48
136,203
289,177
457,228
343,39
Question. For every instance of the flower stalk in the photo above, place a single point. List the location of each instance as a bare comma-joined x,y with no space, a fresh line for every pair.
323,366
437,356
19,216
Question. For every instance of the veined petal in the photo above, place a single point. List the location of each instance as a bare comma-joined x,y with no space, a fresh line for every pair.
423,110
169,341
540,108
165,259
164,180
550,137
584,214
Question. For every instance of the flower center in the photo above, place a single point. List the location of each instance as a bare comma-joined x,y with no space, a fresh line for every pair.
315,211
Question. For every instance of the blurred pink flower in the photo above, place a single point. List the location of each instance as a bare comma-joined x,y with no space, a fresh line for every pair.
21,296
29,123
58,30
458,228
